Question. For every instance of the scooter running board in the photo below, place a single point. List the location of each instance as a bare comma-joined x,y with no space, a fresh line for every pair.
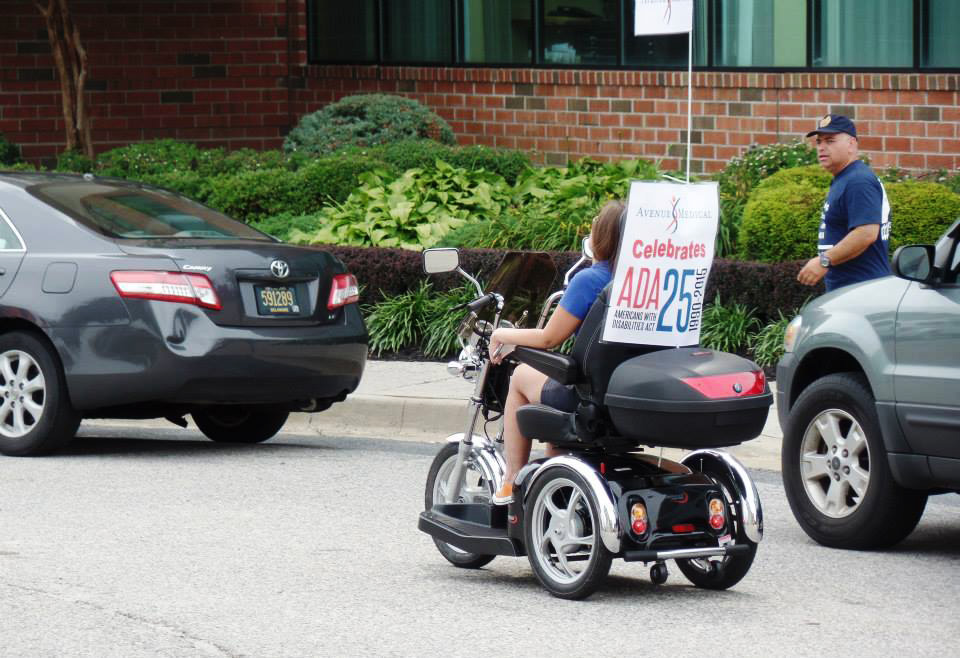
467,536
684,553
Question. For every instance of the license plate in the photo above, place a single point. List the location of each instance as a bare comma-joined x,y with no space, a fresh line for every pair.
276,300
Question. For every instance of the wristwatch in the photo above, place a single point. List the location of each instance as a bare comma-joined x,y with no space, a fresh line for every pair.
824,259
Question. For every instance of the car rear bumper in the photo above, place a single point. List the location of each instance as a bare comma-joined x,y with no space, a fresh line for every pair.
175,354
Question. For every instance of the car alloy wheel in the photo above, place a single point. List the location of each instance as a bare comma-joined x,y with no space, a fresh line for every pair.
24,393
835,463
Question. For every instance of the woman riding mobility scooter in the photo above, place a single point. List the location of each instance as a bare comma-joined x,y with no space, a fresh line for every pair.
572,514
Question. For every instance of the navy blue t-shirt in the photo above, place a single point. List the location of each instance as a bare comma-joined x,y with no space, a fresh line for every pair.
856,197
584,288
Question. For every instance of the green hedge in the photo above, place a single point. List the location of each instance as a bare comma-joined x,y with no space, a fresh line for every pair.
782,218
9,152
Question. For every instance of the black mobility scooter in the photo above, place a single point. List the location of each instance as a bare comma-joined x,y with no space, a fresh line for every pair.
606,498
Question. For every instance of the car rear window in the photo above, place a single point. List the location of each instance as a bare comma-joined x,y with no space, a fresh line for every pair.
135,213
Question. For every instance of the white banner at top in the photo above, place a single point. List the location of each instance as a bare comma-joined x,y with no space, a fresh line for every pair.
662,17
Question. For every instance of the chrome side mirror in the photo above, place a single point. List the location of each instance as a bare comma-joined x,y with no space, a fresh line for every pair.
914,262
438,261
587,248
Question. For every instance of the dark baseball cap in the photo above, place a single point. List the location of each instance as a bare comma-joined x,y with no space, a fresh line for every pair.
834,123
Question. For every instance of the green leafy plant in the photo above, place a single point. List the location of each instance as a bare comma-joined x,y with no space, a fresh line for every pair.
742,174
9,152
727,327
920,212
781,221
414,211
366,120
439,324
766,345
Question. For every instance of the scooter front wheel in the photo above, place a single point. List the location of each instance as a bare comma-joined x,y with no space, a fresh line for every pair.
474,488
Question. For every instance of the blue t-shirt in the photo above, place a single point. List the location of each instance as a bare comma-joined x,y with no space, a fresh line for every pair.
584,288
856,197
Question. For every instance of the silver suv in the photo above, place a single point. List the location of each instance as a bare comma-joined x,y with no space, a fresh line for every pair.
868,395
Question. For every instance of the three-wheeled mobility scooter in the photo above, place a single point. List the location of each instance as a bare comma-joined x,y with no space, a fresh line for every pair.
606,498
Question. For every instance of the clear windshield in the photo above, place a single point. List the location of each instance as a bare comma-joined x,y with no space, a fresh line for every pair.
119,211
525,279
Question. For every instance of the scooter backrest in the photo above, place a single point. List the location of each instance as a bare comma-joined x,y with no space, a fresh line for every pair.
597,360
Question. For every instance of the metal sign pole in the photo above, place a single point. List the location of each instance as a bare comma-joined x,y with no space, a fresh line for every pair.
689,96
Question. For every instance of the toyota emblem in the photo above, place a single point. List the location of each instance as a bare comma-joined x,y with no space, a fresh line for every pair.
280,269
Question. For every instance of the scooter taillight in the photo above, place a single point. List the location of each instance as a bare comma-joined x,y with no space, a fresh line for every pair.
638,519
734,385
717,516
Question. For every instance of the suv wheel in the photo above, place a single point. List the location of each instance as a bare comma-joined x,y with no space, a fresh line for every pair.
835,469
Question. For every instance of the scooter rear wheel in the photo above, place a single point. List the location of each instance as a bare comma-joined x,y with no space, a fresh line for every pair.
730,570
562,535
474,488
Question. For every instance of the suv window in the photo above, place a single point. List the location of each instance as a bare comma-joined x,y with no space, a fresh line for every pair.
119,211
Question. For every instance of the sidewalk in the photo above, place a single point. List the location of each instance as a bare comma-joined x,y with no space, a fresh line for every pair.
420,401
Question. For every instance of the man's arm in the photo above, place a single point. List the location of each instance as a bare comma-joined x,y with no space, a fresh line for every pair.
853,244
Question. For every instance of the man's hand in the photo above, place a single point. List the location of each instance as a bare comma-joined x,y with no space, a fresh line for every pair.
812,272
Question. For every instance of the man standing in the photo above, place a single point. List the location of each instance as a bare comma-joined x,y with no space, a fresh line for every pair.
855,223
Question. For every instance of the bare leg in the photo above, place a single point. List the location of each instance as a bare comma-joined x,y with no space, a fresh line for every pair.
525,386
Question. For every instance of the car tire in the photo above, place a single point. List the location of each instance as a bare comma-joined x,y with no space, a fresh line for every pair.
240,423
36,417
835,470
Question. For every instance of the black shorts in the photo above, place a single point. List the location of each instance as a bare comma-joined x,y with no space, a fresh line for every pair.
556,395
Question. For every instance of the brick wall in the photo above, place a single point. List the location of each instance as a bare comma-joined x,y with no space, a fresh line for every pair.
234,73
905,120
210,72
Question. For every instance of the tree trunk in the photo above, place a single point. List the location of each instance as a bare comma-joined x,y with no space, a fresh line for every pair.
71,61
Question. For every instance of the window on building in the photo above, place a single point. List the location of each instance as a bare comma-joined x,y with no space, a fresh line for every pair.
342,31
666,49
418,31
580,32
862,33
497,31
758,33
728,34
939,25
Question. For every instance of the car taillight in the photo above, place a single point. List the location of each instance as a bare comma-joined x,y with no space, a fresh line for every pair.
167,287
344,290
735,385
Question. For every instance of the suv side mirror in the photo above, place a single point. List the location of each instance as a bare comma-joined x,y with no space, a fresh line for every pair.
438,261
914,262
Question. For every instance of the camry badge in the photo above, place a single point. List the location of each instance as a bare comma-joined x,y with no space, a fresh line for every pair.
198,268
280,269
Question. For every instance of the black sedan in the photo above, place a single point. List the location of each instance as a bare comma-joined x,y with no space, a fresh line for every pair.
122,300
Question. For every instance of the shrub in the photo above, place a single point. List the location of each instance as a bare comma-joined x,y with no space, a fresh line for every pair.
742,174
422,154
151,158
781,222
74,161
766,287
366,120
9,152
920,212
766,346
283,225
783,216
727,327
257,194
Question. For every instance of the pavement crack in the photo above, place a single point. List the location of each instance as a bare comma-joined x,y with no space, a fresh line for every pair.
207,647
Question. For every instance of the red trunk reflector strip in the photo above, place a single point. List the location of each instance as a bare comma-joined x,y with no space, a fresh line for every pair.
735,385
343,290
683,527
166,287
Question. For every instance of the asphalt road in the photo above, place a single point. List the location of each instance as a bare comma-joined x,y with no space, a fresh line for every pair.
160,543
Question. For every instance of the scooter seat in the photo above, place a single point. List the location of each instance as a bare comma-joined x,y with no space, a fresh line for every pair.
538,421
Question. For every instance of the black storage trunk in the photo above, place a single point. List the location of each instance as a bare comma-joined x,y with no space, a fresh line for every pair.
688,398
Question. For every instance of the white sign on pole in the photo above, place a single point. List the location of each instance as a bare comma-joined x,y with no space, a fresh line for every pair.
662,17
666,250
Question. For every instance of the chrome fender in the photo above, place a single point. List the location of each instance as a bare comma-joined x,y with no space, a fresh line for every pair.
750,510
488,458
609,523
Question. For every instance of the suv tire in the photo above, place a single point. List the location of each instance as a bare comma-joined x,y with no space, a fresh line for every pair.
835,470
